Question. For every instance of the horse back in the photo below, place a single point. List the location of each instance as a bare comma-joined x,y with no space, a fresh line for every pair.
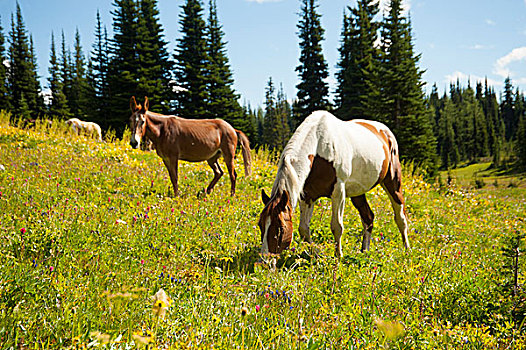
197,139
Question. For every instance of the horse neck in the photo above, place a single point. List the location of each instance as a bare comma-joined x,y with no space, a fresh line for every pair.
294,165
154,126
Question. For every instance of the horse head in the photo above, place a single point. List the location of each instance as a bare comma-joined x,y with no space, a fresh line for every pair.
138,121
275,223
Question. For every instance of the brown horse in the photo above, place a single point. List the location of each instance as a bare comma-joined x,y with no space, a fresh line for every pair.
191,140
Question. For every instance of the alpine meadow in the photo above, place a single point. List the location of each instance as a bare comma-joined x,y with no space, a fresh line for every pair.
125,225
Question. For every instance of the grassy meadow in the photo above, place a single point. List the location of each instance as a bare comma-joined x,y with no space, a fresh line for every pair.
90,234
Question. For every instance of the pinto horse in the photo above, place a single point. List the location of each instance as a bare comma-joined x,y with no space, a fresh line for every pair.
328,157
191,140
89,128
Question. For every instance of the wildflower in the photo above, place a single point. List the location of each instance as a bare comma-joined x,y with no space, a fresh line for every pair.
119,221
391,329
215,319
161,302
244,311
257,308
51,268
267,295
142,261
143,337
22,230
101,337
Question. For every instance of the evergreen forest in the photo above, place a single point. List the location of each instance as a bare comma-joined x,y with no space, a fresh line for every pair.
378,77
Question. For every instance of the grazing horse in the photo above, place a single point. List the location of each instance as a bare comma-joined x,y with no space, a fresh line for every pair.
192,140
89,128
328,157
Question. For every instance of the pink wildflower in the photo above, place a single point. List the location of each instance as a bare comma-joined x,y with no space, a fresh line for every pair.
22,230
257,308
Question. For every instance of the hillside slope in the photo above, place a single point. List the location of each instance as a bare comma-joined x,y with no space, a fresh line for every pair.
89,233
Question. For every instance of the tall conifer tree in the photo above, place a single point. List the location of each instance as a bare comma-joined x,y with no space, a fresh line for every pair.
223,101
80,88
58,107
401,104
276,130
313,90
507,109
124,64
357,68
100,74
155,67
23,84
4,100
191,62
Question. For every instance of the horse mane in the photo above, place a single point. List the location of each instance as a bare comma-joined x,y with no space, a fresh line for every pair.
294,164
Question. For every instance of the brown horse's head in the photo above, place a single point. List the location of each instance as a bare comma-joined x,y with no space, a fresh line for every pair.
275,223
137,121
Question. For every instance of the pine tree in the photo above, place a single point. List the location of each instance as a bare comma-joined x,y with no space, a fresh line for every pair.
507,110
448,150
283,118
80,88
4,99
357,69
495,126
223,101
23,84
66,72
251,129
99,74
276,130
521,142
402,106
58,107
270,122
155,67
124,64
313,90
191,63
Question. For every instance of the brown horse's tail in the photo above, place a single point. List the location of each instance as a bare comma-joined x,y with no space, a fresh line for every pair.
245,150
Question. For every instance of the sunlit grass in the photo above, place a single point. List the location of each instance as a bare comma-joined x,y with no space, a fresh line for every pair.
90,234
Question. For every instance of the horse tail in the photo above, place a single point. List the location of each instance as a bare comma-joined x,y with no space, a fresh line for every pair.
245,150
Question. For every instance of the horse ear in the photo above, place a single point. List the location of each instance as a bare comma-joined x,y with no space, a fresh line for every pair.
284,200
264,197
133,104
146,103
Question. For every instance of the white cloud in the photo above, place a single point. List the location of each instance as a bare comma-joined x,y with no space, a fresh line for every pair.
464,78
491,22
501,66
479,47
263,1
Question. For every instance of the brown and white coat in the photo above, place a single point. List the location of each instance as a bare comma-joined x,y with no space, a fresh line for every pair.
327,157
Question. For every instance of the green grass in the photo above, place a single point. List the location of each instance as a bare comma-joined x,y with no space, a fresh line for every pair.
89,234
479,175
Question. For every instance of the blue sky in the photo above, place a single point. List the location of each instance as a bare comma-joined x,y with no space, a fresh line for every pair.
465,39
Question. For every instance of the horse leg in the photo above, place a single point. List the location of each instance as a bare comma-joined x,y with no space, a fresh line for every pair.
305,217
172,166
394,192
228,156
218,172
367,216
338,205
